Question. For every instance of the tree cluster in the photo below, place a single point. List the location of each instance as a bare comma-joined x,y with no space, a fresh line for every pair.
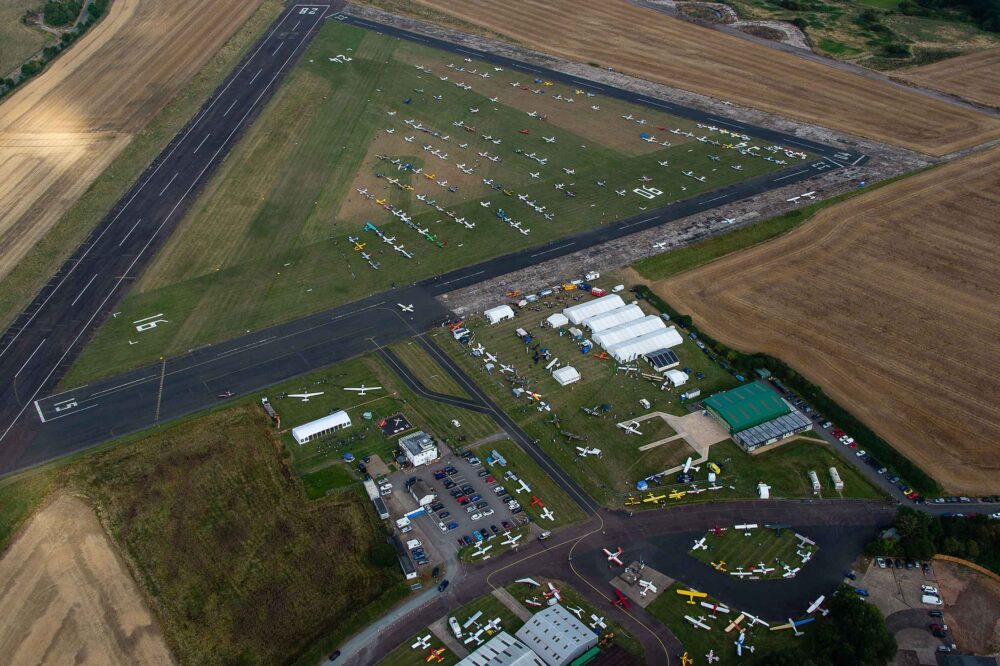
922,535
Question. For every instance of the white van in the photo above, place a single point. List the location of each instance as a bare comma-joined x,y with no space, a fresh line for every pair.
413,543
931,600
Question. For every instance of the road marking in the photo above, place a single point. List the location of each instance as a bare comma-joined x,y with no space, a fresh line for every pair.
83,290
464,277
125,237
296,26
792,174
558,247
30,357
250,83
632,224
835,162
723,196
857,160
230,108
723,122
39,410
119,387
275,52
804,145
171,182
204,140
72,413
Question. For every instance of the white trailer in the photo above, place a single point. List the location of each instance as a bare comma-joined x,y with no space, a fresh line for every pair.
835,477
814,480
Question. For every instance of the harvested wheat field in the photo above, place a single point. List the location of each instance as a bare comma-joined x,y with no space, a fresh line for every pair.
975,77
62,129
891,302
652,46
66,598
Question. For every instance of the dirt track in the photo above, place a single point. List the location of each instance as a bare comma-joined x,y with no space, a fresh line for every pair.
974,77
889,302
972,607
61,130
659,48
66,598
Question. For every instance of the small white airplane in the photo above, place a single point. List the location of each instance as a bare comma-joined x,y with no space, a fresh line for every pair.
700,544
511,540
647,586
362,390
698,622
729,220
630,428
711,656
575,611
423,642
569,172
714,608
405,308
804,541
597,622
390,130
494,99
547,513
471,110
739,573
661,245
408,139
363,191
523,487
305,396
535,174
595,108
789,572
584,452
817,606
615,556
549,139
755,620
664,163
620,193
480,550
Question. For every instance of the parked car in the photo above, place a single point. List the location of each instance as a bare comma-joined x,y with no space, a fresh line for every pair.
443,515
476,516
880,562
475,498
860,453
861,592
483,472
482,505
453,525
493,528
488,512
437,506
935,613
443,585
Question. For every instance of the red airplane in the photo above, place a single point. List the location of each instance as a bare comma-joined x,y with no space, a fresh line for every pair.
524,131
603,356
457,325
717,531
536,502
622,600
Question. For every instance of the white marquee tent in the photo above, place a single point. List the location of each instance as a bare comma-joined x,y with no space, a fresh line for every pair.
633,329
566,375
633,348
588,309
499,313
614,318
556,320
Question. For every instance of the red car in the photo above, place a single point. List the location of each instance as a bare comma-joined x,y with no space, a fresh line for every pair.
490,480
462,499
837,432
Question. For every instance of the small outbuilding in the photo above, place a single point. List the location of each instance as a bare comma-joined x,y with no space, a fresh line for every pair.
566,375
499,314
763,490
327,425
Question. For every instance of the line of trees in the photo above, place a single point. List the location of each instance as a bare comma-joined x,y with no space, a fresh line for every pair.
747,363
921,536
60,13
36,65
985,13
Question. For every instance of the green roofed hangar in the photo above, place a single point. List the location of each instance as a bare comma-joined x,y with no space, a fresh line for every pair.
756,416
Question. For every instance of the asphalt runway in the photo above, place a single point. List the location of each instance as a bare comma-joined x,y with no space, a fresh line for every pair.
41,345
44,340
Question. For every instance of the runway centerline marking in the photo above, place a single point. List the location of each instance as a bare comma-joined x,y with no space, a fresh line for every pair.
792,174
94,277
275,52
632,224
30,357
553,249
230,108
171,182
250,82
464,277
125,237
204,140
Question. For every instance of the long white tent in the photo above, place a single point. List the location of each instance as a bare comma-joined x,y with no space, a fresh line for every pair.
631,349
577,313
633,329
613,318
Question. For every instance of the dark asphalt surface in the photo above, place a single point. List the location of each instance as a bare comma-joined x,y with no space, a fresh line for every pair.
40,346
660,537
44,340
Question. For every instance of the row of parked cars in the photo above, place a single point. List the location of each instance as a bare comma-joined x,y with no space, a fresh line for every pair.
485,534
874,463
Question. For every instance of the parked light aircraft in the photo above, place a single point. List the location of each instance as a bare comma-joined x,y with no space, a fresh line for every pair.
305,396
362,390
615,556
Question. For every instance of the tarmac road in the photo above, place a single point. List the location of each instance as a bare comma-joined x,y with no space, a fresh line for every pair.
660,537
38,348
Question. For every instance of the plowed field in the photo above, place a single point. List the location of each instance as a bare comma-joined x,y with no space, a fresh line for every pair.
975,77
889,301
656,47
61,130
67,598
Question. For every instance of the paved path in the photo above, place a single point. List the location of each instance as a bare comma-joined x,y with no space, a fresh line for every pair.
515,606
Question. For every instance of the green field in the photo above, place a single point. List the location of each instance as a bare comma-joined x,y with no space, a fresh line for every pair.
737,550
268,238
19,42
670,609
406,655
542,486
426,369
572,599
236,562
611,478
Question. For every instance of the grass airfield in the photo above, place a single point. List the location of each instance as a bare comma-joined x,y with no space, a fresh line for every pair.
268,238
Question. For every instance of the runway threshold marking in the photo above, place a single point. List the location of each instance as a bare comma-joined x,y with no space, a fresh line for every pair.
89,282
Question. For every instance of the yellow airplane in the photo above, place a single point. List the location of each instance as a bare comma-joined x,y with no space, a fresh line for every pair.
686,660
546,83
712,467
359,246
380,202
691,595
650,498
430,176
408,188
577,92
631,501
719,566
677,494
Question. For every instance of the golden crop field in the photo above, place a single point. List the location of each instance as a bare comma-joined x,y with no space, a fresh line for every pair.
975,77
889,302
61,130
656,47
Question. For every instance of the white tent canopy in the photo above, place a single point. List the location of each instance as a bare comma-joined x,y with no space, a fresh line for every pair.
566,375
632,329
631,349
556,320
324,426
677,377
614,318
499,313
577,313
